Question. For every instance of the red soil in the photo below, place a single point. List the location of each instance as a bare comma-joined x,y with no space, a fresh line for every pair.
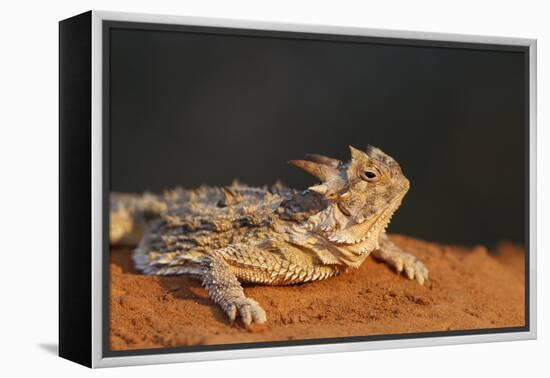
469,288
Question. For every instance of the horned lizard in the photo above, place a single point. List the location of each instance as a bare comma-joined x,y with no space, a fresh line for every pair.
272,236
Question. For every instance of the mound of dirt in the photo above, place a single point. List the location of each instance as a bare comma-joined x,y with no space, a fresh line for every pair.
468,288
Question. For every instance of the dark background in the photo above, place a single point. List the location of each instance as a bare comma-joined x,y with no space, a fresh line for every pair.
195,108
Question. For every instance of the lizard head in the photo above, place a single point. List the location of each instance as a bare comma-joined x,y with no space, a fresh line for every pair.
361,195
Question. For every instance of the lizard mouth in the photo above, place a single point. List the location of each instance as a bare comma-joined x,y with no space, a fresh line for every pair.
365,230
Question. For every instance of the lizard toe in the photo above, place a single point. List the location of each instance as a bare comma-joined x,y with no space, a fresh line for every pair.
250,311
231,312
413,268
417,270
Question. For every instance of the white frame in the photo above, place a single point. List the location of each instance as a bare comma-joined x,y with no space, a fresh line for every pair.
97,120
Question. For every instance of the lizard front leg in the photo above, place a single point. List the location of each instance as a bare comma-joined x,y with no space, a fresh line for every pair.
394,256
224,289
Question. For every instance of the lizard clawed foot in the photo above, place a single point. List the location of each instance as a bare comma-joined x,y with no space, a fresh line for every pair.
402,261
224,288
245,308
414,269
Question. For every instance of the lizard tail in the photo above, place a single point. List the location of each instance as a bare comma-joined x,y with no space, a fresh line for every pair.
129,215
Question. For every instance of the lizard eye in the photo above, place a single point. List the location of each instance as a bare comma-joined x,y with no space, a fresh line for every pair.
369,175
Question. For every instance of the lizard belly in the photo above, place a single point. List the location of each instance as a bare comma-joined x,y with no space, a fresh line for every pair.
283,275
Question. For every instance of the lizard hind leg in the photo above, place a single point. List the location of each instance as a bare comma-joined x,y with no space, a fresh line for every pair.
402,261
224,289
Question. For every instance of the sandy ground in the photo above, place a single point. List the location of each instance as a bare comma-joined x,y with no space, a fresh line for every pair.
468,288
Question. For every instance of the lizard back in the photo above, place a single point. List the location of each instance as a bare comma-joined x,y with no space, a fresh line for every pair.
181,226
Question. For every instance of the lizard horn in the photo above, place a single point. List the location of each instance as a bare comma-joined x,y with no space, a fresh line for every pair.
321,188
324,160
357,154
321,171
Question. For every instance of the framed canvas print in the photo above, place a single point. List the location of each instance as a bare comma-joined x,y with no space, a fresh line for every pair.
233,189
